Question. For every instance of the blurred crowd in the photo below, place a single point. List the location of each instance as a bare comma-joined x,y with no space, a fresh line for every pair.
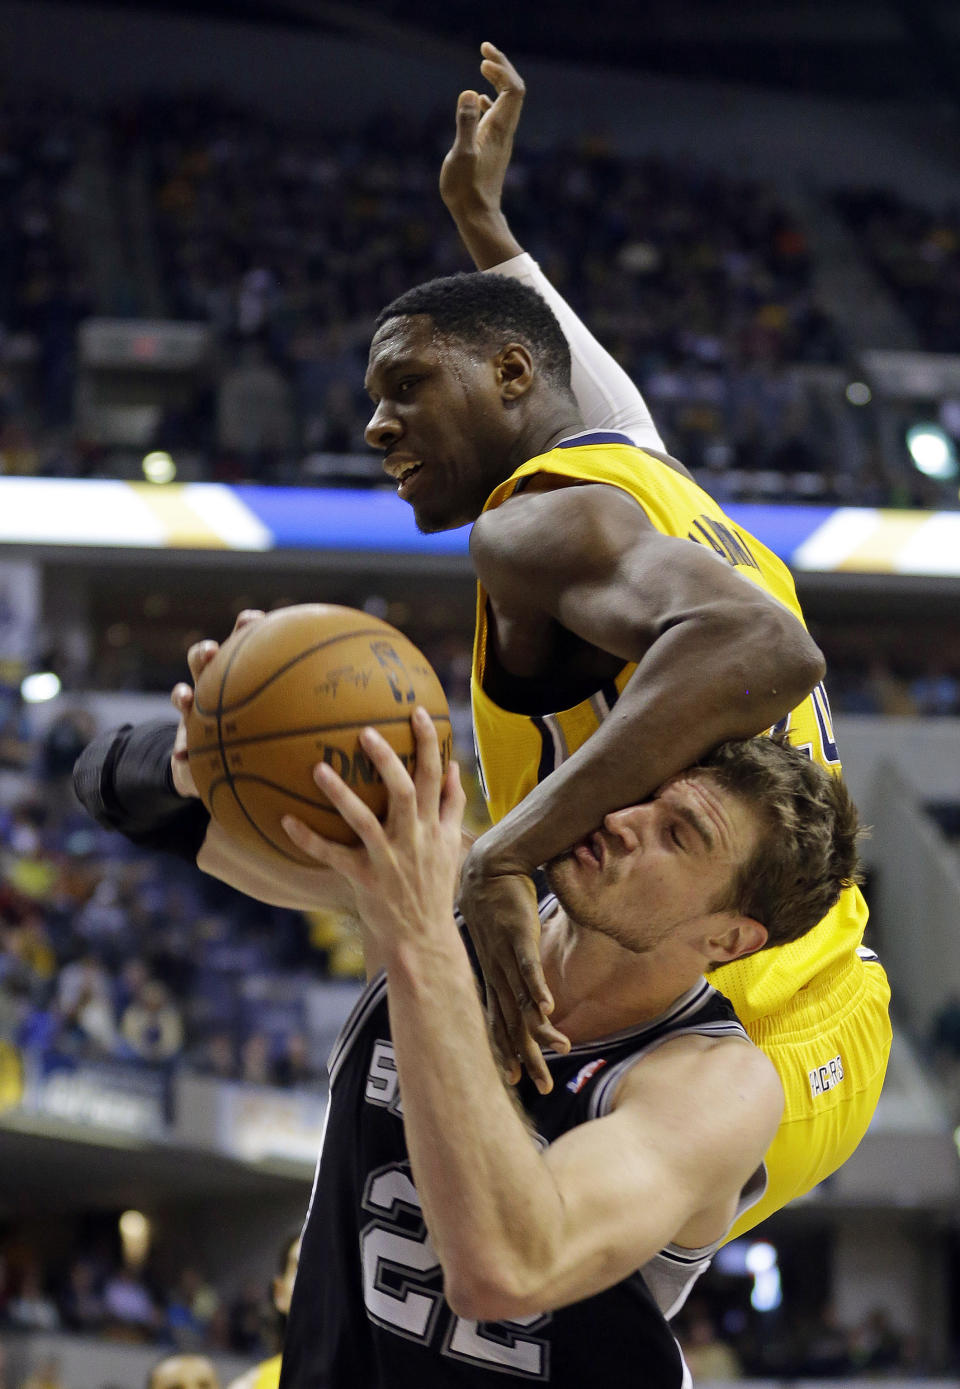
917,254
724,1340
286,244
93,1291
112,955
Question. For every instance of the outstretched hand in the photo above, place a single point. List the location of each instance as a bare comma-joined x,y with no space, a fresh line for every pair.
473,172
404,870
500,909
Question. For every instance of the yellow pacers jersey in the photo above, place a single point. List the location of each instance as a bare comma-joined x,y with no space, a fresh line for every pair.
516,751
268,1374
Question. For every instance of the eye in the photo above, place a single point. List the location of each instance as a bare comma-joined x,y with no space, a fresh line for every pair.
676,837
407,383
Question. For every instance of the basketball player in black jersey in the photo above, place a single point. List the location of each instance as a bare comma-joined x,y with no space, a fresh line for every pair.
457,1239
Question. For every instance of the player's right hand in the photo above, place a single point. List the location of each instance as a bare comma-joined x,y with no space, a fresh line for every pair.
473,173
199,656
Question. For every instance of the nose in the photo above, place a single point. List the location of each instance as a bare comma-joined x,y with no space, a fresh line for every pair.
626,825
383,429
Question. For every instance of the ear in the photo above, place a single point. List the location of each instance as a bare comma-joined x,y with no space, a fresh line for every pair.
515,371
733,937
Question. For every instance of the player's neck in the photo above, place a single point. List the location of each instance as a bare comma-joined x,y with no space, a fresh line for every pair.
545,431
601,987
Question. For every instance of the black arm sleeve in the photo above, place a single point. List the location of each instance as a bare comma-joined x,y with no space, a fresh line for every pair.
124,780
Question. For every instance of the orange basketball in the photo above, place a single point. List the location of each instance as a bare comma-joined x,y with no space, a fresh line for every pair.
291,690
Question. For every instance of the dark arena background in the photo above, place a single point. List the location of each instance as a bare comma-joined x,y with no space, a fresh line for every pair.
756,207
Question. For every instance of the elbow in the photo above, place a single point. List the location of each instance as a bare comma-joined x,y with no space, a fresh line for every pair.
480,1294
794,663
804,663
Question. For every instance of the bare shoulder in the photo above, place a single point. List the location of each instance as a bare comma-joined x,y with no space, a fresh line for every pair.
721,1090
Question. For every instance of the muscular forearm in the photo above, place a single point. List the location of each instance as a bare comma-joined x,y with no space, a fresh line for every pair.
487,236
721,674
492,1211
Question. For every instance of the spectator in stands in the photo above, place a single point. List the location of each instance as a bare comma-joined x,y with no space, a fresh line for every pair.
255,1066
132,1314
46,1375
183,1371
708,1357
246,1321
32,1309
191,1308
267,1374
152,1026
81,1303
876,1345
826,1352
294,1065
936,693
216,1056
85,1002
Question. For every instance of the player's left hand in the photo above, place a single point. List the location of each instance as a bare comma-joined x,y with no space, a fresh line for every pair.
404,871
500,909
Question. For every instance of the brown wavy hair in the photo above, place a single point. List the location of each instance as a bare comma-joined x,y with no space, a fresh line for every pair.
807,852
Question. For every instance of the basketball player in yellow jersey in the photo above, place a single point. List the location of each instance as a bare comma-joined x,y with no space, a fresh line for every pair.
625,625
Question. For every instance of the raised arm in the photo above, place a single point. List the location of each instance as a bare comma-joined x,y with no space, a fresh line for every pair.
471,185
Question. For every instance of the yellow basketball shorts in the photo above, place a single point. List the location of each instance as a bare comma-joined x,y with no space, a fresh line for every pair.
830,1047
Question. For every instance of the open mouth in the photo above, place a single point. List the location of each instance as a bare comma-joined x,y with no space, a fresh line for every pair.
405,479
590,851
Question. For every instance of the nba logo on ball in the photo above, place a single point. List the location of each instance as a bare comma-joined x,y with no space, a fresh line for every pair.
294,689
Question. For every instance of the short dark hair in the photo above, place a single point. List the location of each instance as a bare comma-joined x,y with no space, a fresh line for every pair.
807,852
480,309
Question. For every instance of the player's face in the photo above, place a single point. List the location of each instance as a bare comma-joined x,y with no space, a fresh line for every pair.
660,867
439,419
185,1372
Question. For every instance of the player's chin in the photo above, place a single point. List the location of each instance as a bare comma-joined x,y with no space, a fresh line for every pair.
429,520
561,874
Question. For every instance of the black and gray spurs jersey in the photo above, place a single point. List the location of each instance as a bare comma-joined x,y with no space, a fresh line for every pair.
368,1310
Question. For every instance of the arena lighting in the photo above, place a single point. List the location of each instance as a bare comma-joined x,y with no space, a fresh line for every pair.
135,1237
761,1261
159,467
932,451
859,393
40,686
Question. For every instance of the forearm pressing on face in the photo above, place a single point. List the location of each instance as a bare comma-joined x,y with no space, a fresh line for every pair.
717,658
520,1231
